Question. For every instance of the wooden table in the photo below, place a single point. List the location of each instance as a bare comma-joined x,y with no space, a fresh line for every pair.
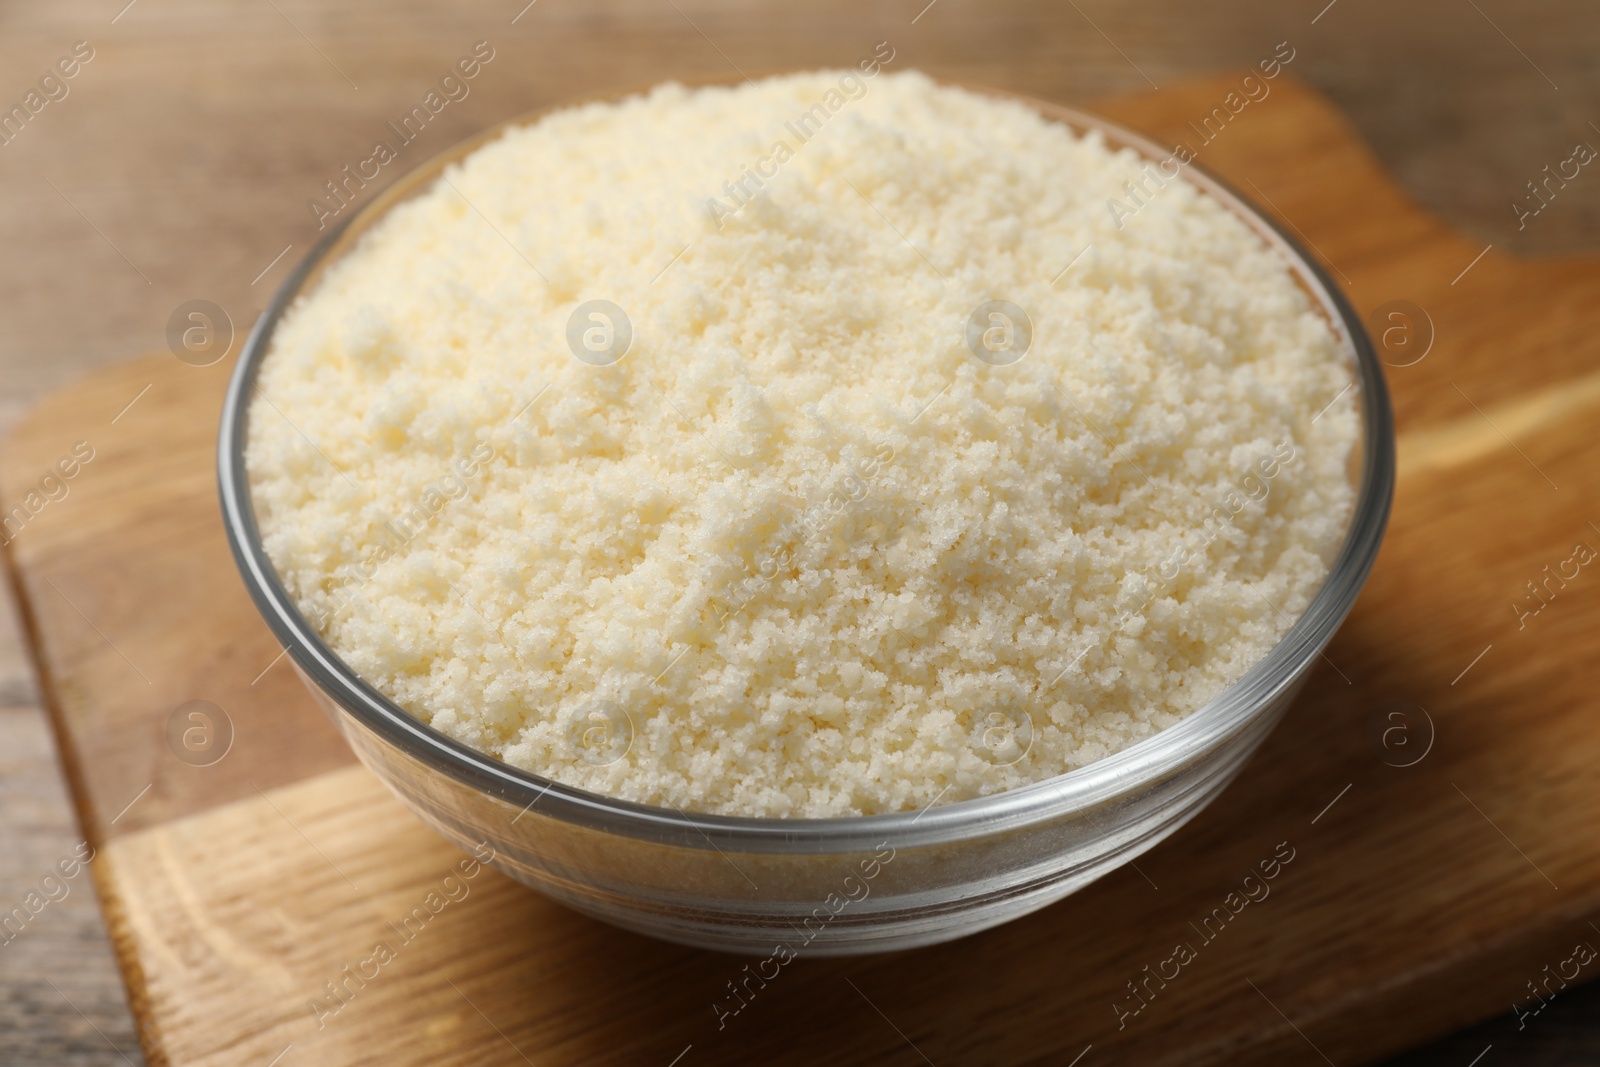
179,164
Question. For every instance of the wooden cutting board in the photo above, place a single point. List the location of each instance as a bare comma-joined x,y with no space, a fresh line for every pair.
1419,897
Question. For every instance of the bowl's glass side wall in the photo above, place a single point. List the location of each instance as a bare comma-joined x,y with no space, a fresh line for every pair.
814,901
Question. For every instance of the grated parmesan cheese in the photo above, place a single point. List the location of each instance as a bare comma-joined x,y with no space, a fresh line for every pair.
814,534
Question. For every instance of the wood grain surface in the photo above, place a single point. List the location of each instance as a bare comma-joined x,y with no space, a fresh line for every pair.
1420,898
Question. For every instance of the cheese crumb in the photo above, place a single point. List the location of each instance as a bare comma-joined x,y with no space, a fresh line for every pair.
643,455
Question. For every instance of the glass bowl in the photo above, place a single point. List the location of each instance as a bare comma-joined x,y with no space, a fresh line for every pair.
782,887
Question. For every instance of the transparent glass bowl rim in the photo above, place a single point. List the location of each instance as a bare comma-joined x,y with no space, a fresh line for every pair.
1081,790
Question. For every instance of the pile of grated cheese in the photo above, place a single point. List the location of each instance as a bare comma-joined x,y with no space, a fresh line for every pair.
799,552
